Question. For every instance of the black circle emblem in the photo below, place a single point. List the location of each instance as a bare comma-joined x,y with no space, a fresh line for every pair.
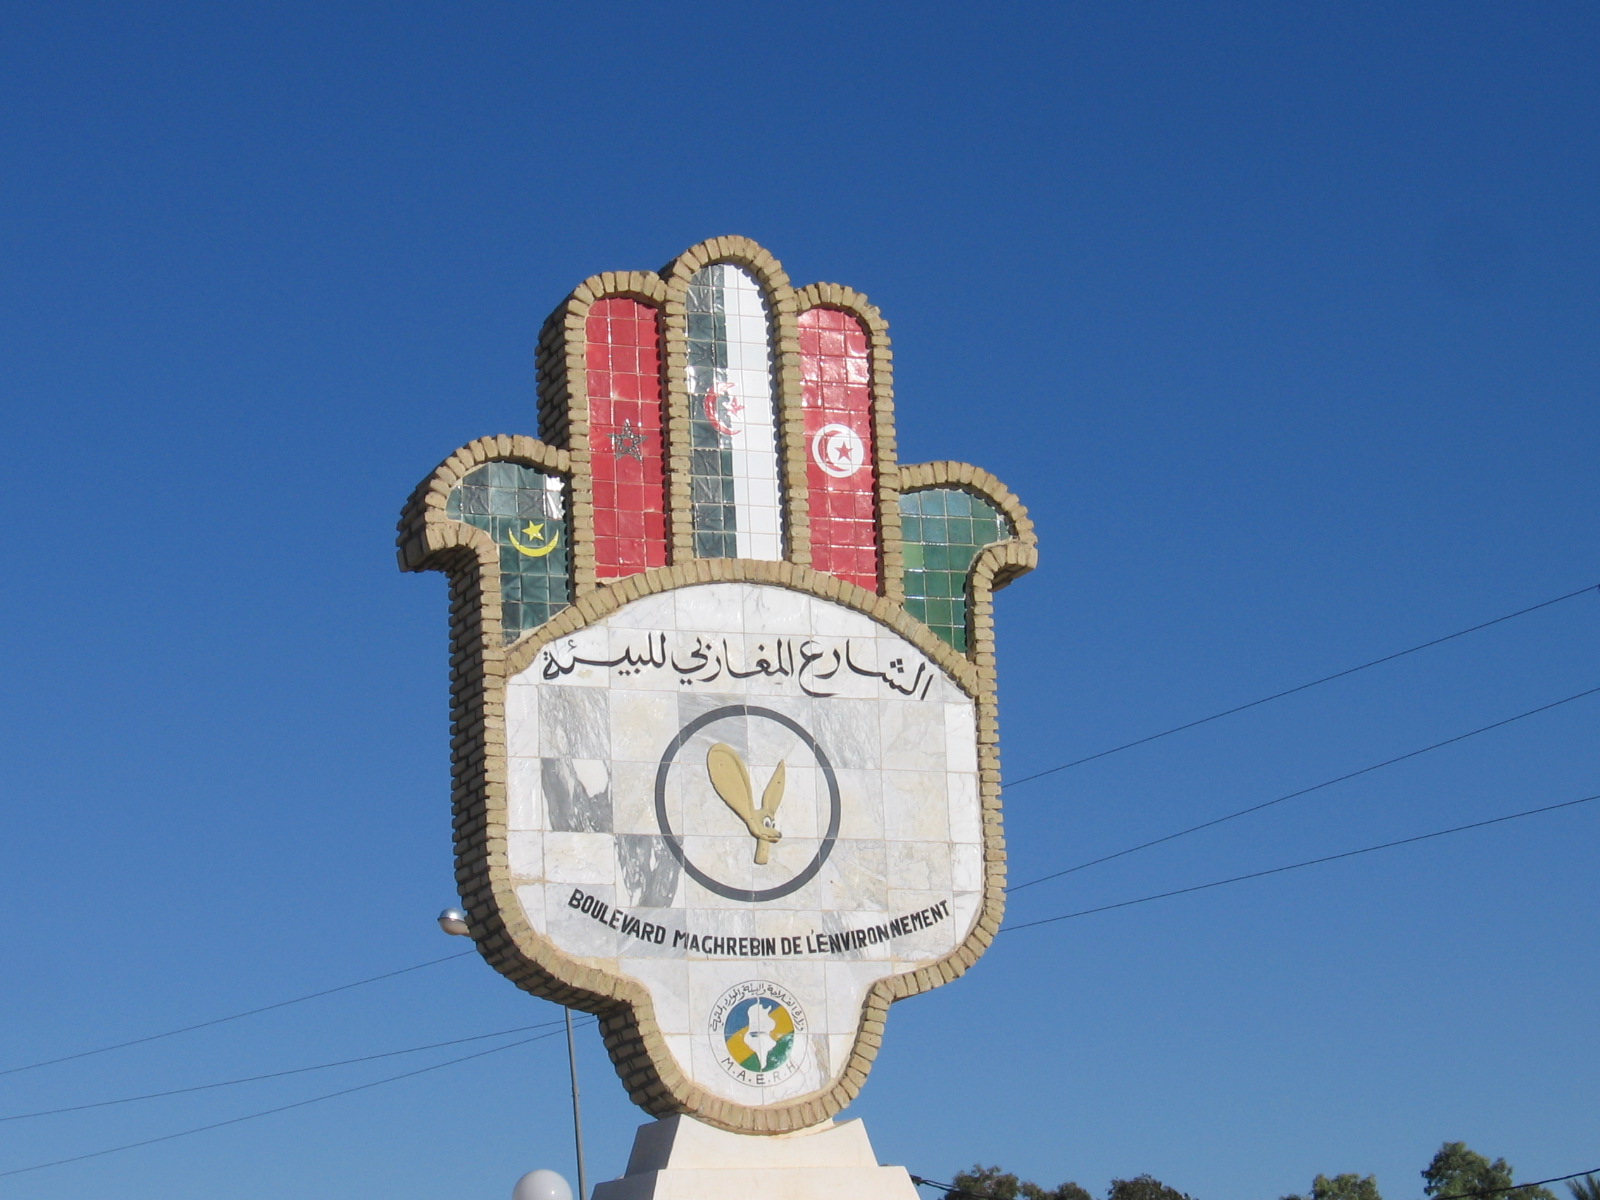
675,844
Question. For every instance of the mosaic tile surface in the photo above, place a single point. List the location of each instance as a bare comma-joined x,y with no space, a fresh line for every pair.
623,362
639,750
732,431
841,471
524,511
944,528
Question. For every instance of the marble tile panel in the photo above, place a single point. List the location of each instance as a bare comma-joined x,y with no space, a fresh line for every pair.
845,987
961,737
923,866
647,870
711,608
578,933
525,856
522,717
852,879
911,735
777,612
966,867
916,805
633,800
577,795
574,722
860,805
847,731
966,814
642,725
837,621
657,611
524,810
580,858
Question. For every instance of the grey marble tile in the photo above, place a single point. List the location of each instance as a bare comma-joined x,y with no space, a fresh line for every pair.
577,795
575,722
649,870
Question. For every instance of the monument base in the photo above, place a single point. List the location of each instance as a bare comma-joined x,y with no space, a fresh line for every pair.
679,1158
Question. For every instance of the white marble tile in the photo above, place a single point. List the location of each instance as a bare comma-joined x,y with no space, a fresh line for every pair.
966,814
966,867
522,717
525,856
712,609
920,865
960,737
633,799
916,805
584,858
860,805
911,735
524,812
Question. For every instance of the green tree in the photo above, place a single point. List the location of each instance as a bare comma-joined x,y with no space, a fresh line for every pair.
990,1183
1342,1187
1143,1188
1456,1171
1587,1188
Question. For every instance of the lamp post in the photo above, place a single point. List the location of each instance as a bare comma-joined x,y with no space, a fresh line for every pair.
454,922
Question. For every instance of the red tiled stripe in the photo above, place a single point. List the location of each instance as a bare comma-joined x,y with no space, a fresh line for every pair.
836,370
623,360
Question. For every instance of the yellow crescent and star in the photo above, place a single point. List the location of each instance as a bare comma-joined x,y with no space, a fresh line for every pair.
534,532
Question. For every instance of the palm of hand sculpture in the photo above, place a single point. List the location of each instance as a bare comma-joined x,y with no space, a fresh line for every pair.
731,778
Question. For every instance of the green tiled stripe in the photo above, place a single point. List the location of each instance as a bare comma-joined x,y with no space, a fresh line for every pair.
504,499
943,529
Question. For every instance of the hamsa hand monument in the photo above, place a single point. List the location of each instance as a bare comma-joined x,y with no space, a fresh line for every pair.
725,753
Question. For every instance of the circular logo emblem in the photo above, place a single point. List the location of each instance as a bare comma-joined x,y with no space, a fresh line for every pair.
748,802
724,409
758,1030
838,450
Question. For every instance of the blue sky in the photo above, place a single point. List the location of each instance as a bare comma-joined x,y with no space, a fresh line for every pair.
1280,318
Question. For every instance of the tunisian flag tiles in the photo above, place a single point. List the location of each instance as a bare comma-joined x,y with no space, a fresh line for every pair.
836,370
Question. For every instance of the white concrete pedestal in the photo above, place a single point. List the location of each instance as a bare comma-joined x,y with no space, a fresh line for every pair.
681,1159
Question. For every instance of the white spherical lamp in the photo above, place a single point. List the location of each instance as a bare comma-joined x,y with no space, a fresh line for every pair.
541,1185
453,921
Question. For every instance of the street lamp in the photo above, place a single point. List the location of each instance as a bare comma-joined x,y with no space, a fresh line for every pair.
454,922
541,1185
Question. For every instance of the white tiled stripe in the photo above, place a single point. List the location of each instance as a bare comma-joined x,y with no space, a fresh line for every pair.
755,446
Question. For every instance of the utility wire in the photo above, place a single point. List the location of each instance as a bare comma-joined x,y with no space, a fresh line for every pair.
1310,862
203,1087
281,1108
1228,712
156,1037
1316,787
1516,1187
949,1189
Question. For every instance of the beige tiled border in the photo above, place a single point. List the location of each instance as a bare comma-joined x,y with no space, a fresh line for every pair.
480,663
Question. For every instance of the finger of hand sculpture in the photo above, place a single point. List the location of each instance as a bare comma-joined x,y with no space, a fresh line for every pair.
731,778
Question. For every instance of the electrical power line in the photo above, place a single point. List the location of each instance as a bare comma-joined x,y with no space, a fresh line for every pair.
1228,712
1310,862
1316,787
346,1062
1516,1187
156,1037
60,1162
